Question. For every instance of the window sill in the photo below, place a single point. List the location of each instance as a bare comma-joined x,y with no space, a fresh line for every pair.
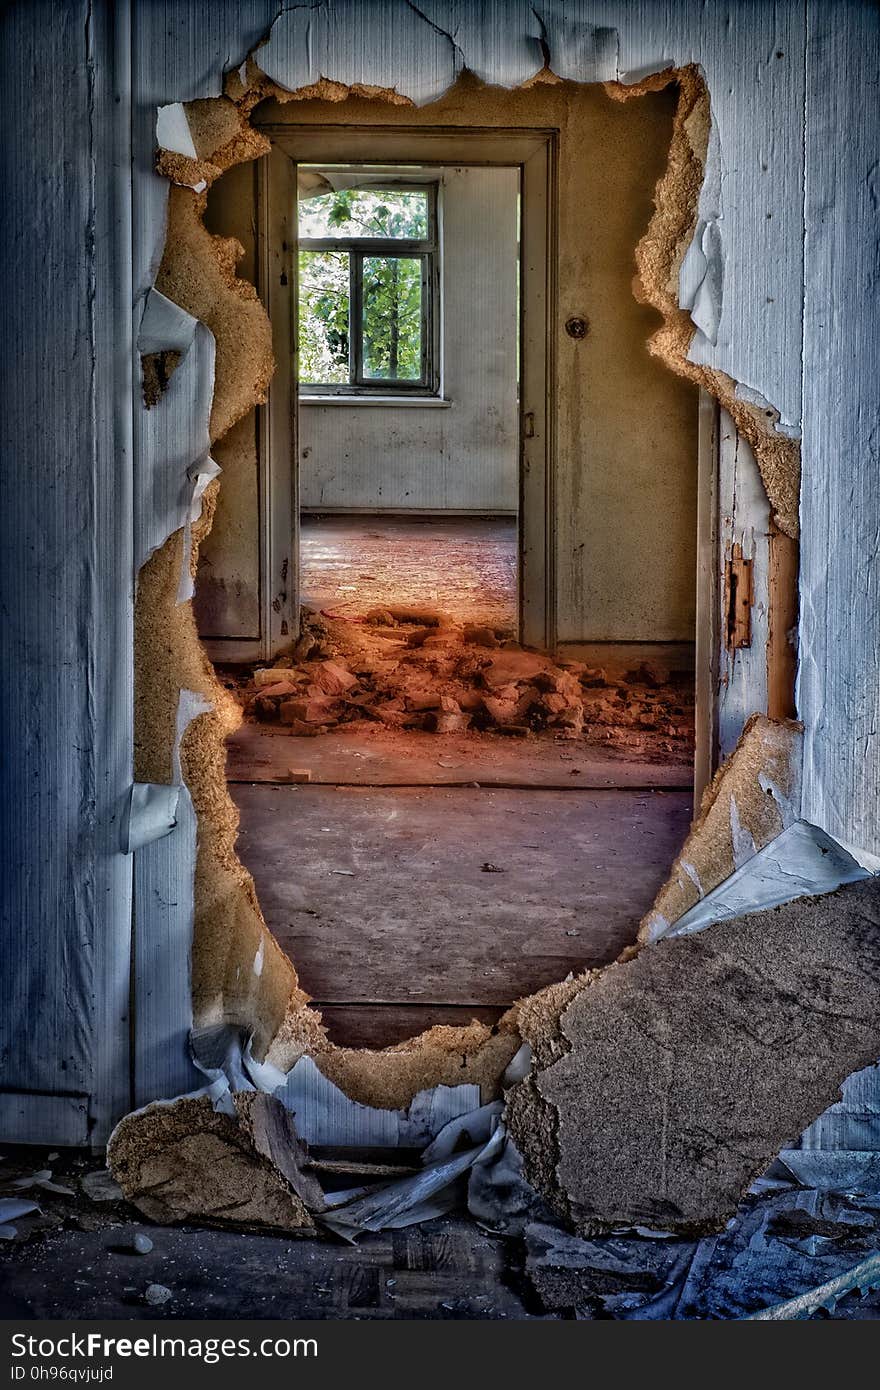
412,402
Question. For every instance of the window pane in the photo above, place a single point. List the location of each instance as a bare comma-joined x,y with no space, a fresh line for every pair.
392,318
323,317
364,212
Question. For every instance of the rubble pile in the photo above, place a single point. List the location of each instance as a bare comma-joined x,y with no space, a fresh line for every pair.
416,669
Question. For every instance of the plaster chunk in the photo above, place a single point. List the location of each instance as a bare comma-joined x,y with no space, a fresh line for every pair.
693,1064
746,805
186,1161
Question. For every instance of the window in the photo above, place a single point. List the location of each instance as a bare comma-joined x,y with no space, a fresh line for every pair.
368,286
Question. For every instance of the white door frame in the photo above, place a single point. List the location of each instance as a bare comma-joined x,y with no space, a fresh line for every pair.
533,152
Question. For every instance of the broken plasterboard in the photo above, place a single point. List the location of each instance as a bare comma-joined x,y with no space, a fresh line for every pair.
801,862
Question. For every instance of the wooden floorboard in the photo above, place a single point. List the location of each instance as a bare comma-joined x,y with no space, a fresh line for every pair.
465,566
434,897
370,756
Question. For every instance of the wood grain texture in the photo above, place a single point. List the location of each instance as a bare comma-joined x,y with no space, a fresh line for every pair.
381,896
383,1025
378,757
840,583
66,580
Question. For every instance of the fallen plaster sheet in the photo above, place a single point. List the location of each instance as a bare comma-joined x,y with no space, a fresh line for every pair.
801,862
497,1193
689,1064
840,1151
792,1231
186,1160
324,1115
438,1121
431,1192
11,1208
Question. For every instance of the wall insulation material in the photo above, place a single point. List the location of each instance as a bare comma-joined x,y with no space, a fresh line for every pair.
681,1073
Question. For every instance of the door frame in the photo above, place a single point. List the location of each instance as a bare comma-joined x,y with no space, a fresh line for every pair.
534,153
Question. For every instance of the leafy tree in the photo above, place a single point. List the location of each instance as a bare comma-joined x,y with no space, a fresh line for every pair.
392,290
323,317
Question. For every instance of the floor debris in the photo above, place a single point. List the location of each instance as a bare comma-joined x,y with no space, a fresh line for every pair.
11,1208
184,1160
689,1066
409,669
101,1187
157,1295
864,1277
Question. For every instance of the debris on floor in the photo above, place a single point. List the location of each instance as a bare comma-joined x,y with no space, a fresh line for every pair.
407,668
685,1068
11,1208
184,1160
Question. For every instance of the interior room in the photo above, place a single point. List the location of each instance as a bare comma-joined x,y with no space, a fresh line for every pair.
441,864
454,710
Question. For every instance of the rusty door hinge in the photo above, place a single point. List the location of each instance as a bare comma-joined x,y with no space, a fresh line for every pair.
738,590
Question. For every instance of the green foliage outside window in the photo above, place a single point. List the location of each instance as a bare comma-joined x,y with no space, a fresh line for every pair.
392,319
360,212
323,317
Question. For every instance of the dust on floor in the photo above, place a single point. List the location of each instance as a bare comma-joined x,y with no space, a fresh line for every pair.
415,899
409,668
467,565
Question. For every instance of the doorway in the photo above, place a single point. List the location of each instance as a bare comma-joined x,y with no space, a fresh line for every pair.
408,375
438,806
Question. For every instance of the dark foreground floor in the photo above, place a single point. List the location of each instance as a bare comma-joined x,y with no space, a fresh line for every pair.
75,1259
447,1268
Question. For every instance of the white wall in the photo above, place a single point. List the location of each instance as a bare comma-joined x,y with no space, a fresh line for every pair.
434,458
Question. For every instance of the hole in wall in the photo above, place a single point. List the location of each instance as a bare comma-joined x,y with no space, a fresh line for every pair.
229,935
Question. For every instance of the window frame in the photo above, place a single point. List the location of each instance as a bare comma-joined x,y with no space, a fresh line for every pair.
427,252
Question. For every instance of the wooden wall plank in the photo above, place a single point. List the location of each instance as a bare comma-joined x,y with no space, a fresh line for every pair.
838,694
64,583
